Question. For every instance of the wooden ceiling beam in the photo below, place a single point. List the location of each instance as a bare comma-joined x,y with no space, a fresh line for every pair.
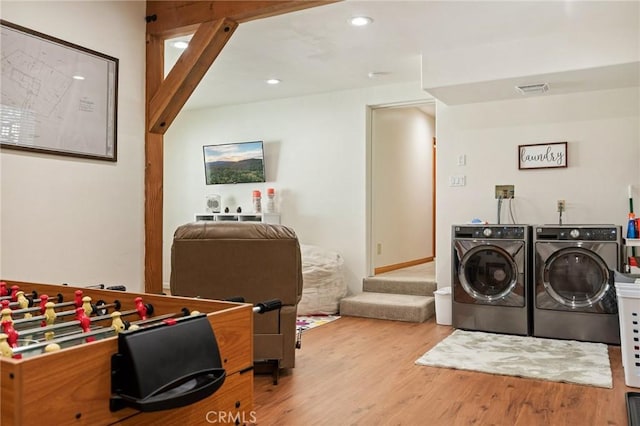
175,18
205,46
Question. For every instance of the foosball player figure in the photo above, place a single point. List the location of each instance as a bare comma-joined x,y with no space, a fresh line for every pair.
5,315
78,298
142,310
116,322
12,335
5,348
14,293
51,347
49,314
85,323
23,302
86,305
3,289
43,302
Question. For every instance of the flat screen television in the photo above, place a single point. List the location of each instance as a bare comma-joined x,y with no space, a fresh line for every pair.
241,162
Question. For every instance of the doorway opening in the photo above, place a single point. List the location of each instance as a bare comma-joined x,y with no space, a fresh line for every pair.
401,186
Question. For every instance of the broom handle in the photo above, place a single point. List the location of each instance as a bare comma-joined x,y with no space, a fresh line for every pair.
633,249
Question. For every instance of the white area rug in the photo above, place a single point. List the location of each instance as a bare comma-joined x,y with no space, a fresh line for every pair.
566,361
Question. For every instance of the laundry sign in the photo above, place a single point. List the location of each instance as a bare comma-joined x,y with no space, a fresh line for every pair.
542,156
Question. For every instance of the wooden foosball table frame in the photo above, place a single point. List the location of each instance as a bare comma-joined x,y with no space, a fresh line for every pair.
73,386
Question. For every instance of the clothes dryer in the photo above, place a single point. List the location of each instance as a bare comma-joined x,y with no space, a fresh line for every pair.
574,292
490,278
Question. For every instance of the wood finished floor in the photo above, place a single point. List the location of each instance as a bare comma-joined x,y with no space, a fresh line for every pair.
359,371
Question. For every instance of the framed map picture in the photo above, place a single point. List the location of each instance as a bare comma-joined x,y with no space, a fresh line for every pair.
56,97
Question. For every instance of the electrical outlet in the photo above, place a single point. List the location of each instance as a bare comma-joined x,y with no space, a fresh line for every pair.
561,206
505,191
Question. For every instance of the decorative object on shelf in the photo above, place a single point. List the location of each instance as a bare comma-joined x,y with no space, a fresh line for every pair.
49,86
257,202
213,203
542,156
271,202
226,209
239,209
632,226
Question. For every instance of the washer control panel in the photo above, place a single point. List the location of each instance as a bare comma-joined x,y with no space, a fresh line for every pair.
582,233
490,232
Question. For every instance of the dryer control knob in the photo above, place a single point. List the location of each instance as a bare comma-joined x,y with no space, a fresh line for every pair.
487,232
574,233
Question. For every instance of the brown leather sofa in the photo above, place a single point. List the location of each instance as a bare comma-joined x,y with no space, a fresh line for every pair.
256,261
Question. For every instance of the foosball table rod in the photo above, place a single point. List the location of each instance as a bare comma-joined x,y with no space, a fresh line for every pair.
10,349
13,294
23,301
114,317
184,312
51,345
50,314
85,302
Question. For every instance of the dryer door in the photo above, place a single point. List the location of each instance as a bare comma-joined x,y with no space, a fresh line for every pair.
491,273
577,279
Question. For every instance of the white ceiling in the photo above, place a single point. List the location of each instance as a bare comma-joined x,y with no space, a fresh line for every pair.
316,50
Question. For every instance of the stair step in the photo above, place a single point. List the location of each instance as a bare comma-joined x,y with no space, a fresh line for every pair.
398,307
411,286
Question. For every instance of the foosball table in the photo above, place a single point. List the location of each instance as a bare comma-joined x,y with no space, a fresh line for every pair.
71,355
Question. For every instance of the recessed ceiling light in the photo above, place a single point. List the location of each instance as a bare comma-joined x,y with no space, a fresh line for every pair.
530,89
180,44
273,81
360,21
78,77
376,74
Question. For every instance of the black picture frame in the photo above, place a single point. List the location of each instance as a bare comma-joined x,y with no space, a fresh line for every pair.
542,156
56,97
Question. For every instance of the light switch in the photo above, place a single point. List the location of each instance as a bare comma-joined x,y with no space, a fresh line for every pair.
457,180
462,160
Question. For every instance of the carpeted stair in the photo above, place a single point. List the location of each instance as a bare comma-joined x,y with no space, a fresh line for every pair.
393,298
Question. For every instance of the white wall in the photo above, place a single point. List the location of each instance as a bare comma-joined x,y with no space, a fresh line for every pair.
73,220
602,129
402,185
315,152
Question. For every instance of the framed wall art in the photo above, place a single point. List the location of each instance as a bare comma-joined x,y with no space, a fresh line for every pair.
542,156
56,97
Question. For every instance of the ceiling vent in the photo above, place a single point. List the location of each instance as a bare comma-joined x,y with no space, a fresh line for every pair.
533,89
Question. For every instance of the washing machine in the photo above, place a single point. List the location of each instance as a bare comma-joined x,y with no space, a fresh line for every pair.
574,292
490,278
